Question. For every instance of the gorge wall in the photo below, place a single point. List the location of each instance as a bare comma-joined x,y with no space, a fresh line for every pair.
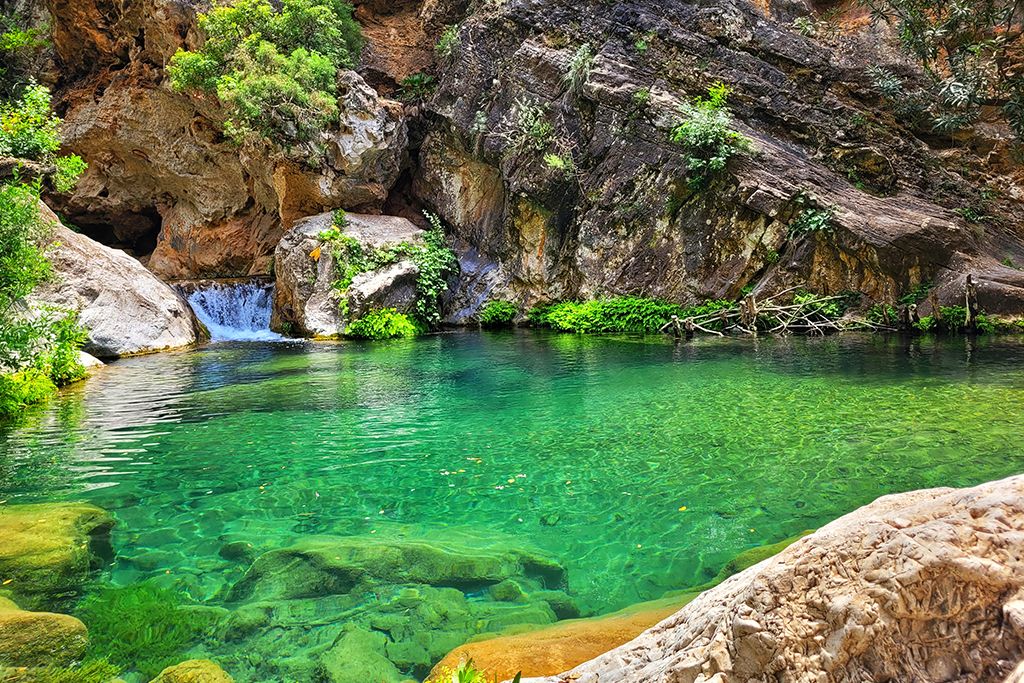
164,183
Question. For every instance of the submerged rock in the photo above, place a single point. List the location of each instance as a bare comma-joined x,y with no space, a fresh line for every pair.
358,657
923,586
36,639
49,549
194,671
328,565
125,308
305,301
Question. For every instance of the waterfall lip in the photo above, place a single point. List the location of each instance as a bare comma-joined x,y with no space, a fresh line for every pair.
235,311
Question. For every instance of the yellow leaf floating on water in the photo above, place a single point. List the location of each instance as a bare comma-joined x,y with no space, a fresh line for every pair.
682,508
6,582
315,254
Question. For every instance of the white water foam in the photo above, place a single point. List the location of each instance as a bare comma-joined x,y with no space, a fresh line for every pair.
235,311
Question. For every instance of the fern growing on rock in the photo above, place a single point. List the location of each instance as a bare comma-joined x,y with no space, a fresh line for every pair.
705,131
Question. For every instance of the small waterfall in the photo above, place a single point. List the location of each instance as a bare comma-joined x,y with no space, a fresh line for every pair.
235,311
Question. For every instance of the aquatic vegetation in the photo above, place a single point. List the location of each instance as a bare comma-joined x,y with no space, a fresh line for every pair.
498,313
383,323
466,672
141,627
93,671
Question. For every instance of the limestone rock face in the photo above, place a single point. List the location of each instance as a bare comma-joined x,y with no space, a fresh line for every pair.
34,639
49,549
923,586
126,309
305,301
193,671
164,182
625,221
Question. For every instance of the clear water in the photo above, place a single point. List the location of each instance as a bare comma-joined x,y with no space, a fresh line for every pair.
235,311
586,448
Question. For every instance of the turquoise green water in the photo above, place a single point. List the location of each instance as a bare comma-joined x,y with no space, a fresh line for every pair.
582,448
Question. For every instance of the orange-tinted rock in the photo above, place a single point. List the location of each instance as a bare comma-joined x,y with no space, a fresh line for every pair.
557,648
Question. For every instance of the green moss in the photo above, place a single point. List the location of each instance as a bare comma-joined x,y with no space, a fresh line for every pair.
748,558
141,627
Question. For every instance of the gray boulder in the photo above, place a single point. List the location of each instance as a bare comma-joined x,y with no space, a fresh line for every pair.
126,309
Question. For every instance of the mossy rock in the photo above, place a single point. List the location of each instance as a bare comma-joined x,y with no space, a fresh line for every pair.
49,550
328,565
748,558
38,639
194,671
357,656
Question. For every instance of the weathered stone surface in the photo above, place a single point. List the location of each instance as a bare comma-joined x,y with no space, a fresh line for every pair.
357,657
49,549
35,639
305,301
625,221
540,651
165,183
922,586
124,307
193,671
328,565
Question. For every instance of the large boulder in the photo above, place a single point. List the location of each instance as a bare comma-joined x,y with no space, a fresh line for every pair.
332,565
194,671
50,549
125,308
925,586
36,639
305,300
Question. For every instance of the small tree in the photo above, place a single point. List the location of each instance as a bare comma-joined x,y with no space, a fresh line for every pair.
705,130
972,53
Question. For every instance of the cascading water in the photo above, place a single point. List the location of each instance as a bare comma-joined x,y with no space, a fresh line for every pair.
235,311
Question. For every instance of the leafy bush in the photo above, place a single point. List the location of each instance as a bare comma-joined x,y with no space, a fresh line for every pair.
448,42
20,48
625,314
434,261
498,314
964,47
532,128
384,323
580,65
141,627
560,164
416,87
705,131
38,349
813,220
30,130
274,69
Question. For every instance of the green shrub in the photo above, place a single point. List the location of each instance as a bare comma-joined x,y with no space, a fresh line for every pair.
953,320
498,314
813,220
448,42
532,128
705,131
273,68
416,87
384,323
141,627
580,65
21,46
30,130
21,389
625,314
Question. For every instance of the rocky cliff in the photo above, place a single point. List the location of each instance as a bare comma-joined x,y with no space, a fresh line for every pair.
618,217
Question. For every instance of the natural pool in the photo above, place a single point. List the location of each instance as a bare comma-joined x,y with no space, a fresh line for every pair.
641,466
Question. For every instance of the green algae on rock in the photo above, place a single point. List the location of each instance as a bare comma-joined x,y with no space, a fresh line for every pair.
194,671
328,565
37,639
49,550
